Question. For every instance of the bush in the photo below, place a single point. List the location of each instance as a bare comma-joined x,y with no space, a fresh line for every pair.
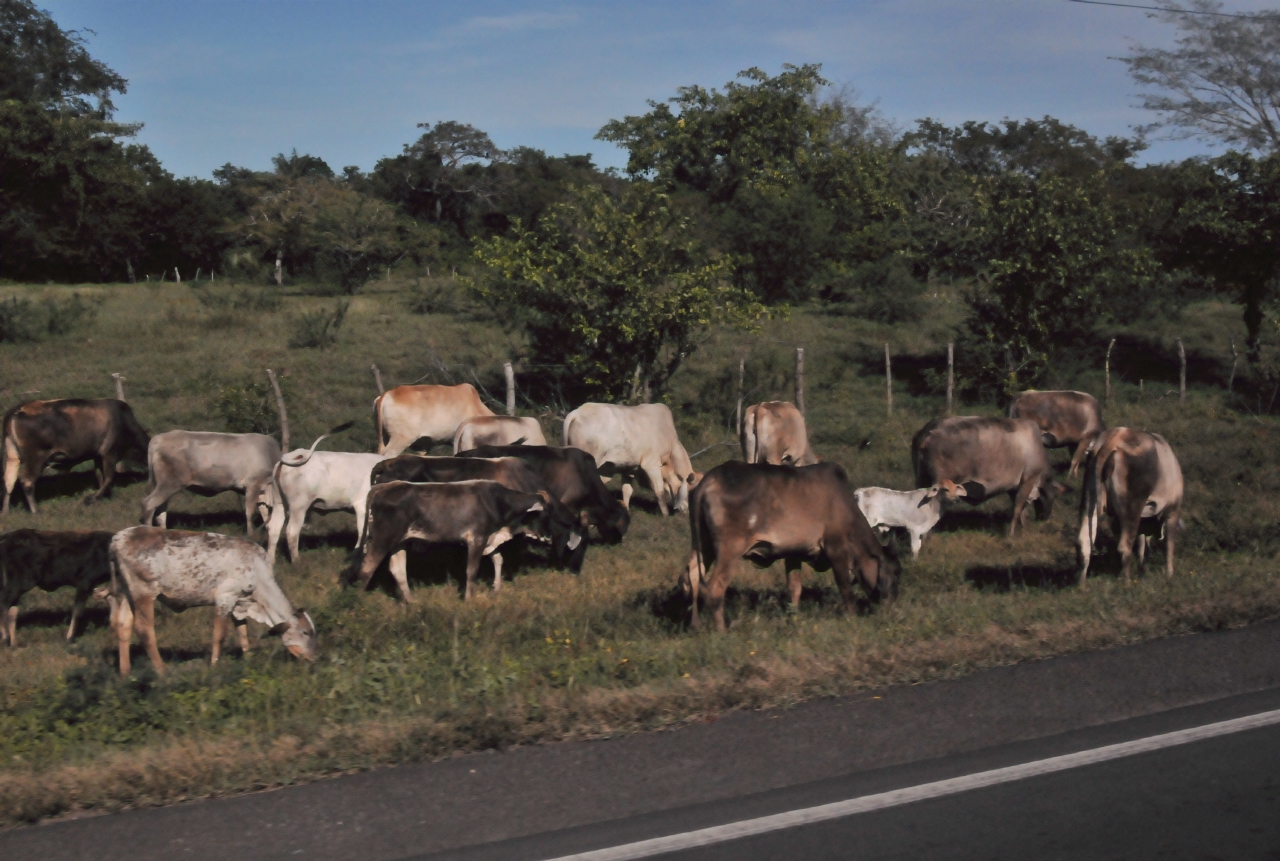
249,406
319,329
434,297
241,299
884,291
24,321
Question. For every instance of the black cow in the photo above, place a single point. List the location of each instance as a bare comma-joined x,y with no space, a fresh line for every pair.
570,475
483,515
68,432
30,558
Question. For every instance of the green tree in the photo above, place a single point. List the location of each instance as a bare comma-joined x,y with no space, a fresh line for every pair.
612,289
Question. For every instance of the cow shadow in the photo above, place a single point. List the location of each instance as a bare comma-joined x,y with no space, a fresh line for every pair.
204,521
442,564
90,617
965,518
671,605
62,484
1003,578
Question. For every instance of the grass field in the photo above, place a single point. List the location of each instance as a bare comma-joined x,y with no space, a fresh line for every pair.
559,656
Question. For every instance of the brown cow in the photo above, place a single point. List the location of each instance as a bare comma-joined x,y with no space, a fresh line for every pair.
408,413
976,457
774,432
1066,418
30,559
1140,478
68,432
799,514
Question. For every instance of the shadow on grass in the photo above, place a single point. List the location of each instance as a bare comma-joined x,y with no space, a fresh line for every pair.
60,485
211,519
441,564
1002,578
90,617
672,605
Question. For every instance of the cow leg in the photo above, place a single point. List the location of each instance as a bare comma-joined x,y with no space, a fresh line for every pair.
1078,457
28,473
162,519
1142,550
917,539
275,526
144,622
718,585
10,621
653,471
242,634
76,609
123,613
1020,506
475,552
12,460
1128,538
219,634
496,559
793,582
297,520
106,466
252,494
154,505
1084,543
1170,527
627,490
400,570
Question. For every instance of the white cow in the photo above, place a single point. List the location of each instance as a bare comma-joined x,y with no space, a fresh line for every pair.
497,430
627,440
327,480
916,511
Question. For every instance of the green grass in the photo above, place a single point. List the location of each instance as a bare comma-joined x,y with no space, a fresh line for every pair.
555,655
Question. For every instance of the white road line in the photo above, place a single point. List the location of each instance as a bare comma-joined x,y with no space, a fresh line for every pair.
880,801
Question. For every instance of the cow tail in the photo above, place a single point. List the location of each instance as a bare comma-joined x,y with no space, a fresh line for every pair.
377,420
695,523
568,423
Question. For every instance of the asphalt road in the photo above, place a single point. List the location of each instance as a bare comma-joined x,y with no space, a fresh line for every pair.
547,801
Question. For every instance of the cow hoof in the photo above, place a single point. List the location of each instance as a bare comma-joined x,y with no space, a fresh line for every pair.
90,500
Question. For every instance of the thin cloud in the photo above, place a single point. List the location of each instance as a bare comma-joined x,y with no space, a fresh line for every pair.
524,21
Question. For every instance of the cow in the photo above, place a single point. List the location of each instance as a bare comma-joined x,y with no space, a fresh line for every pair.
482,515
570,475
1136,476
30,559
497,430
627,440
976,457
67,432
763,513
407,413
910,510
510,472
198,569
774,432
327,480
210,463
1066,418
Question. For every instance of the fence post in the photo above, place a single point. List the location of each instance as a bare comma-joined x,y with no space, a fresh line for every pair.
176,275
1235,357
800,379
119,378
742,381
888,378
377,378
1182,373
284,417
1107,366
510,374
951,374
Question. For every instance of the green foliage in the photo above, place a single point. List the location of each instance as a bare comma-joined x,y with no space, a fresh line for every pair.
249,406
884,291
612,290
235,299
22,320
318,330
43,65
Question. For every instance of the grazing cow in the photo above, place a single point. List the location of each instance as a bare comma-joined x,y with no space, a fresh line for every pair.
1136,476
774,432
407,413
483,515
198,569
916,511
764,513
570,475
30,558
210,463
628,440
67,432
1066,418
511,472
976,457
326,480
497,430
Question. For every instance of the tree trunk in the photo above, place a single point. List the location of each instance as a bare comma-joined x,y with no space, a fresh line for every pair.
951,374
800,379
284,417
510,374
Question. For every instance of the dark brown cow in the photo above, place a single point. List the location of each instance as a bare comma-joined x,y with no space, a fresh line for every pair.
764,513
483,515
30,559
68,432
977,457
510,472
1136,475
570,475
1066,418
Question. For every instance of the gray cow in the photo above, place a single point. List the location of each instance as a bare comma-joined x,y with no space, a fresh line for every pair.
208,464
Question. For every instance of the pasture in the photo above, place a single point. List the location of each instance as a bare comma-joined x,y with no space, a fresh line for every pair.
558,656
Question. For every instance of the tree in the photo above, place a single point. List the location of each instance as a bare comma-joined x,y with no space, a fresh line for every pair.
611,289
43,65
1222,82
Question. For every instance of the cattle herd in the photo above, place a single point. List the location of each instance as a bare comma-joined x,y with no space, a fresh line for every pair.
503,483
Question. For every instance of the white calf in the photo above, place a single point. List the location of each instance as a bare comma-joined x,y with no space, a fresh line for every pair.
916,511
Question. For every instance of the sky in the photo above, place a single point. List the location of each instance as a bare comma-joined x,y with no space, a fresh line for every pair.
237,81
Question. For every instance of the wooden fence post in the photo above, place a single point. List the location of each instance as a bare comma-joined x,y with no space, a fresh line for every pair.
510,374
1182,373
176,275
951,374
119,378
284,417
888,378
377,378
1107,397
800,379
1235,357
742,381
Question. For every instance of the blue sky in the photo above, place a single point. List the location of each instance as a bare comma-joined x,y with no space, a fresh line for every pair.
233,81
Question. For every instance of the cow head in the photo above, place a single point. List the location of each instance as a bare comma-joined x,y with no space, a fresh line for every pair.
612,522
299,636
884,587
550,520
1044,495
945,489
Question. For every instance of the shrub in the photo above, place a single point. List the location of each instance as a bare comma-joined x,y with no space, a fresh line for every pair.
249,406
24,321
319,329
883,290
241,299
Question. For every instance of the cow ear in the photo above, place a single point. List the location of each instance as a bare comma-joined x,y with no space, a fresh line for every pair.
928,497
537,506
546,497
